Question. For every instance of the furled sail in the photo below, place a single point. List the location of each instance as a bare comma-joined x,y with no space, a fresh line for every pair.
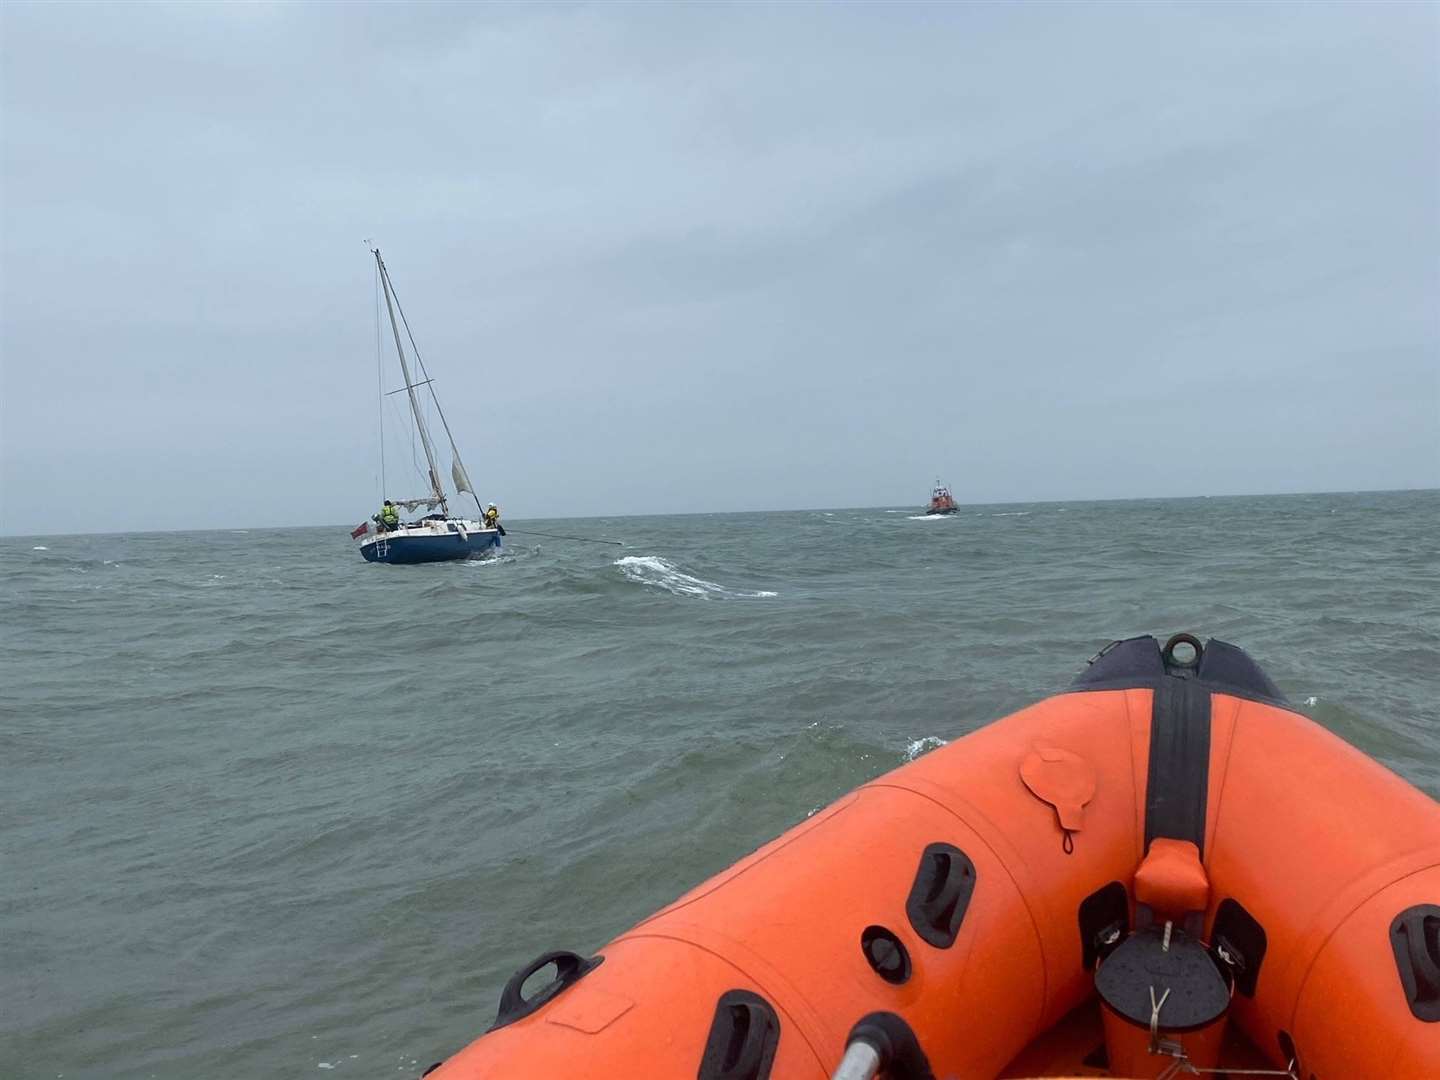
460,476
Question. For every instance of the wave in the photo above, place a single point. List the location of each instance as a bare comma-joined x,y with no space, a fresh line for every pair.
663,574
40,547
930,517
503,557
924,746
1013,513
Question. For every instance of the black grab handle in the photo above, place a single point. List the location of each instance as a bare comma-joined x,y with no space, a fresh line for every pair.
1415,938
940,893
742,1040
569,969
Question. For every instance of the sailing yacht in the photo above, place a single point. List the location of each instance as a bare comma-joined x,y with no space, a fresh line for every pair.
439,536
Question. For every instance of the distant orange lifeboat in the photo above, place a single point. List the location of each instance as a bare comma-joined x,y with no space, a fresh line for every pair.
941,501
1162,871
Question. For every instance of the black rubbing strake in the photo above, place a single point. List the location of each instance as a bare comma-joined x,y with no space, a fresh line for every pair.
1177,790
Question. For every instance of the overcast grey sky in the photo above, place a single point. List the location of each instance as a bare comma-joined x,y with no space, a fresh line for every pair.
707,257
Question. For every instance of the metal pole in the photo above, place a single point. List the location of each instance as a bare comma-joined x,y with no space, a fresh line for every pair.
410,386
420,360
861,1062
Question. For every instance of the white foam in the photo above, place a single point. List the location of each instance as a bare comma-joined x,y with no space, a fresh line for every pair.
924,746
1013,513
40,547
930,517
1312,700
663,574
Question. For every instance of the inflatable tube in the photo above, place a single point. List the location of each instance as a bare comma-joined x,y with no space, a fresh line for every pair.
1162,870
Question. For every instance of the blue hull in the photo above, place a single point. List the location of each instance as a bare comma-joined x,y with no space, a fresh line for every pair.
423,549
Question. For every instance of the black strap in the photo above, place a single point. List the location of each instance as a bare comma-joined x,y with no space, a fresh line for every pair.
1176,796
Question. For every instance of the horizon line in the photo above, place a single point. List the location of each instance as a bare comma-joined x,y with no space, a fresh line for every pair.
762,510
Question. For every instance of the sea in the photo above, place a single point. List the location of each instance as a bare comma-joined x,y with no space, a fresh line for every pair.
272,811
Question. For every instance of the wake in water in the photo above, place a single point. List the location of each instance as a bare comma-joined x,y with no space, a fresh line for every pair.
923,746
663,574
931,517
501,557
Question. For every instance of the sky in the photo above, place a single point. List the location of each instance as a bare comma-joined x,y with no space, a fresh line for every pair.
686,258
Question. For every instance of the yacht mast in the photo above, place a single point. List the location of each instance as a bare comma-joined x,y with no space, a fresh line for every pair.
435,486
458,475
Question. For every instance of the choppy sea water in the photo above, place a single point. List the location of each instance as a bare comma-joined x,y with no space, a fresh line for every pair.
270,810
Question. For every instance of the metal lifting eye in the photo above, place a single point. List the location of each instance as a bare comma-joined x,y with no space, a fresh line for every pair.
1189,659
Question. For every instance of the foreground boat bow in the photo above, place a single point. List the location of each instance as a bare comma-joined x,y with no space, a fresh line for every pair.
1164,870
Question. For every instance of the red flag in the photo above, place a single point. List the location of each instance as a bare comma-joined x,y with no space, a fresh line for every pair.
364,527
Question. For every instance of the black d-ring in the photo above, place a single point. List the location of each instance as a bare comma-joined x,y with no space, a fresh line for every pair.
1167,654
569,969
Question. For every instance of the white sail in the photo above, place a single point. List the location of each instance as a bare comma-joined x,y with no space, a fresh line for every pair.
459,475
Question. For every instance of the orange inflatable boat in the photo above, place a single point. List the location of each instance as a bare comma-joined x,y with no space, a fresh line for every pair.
1164,872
